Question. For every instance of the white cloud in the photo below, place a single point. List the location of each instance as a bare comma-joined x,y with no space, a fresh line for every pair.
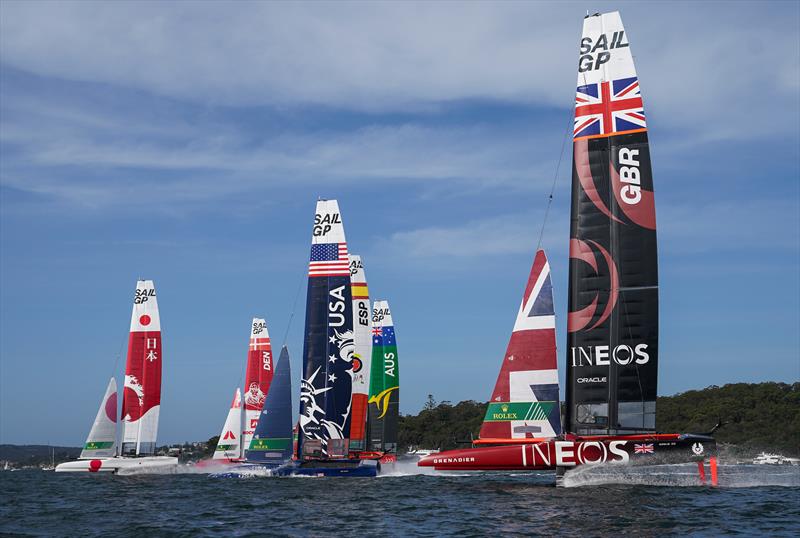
506,234
721,73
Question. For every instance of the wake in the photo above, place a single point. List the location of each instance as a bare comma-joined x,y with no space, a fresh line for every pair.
682,475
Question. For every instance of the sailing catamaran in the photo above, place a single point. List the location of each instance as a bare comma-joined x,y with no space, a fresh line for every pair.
326,386
612,325
243,417
362,341
384,388
271,445
141,400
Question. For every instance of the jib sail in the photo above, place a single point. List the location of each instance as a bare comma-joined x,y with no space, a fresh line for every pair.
612,346
102,440
141,398
384,391
272,440
229,445
524,401
326,380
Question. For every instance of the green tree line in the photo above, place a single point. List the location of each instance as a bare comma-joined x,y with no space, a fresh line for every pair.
755,417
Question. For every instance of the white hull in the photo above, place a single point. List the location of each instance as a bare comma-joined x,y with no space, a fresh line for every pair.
113,465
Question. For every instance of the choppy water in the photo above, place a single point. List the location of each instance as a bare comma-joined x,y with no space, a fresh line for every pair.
751,500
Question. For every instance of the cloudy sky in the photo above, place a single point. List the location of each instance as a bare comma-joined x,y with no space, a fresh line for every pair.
187,143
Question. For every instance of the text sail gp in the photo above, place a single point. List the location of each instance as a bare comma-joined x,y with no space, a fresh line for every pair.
612,343
326,383
612,326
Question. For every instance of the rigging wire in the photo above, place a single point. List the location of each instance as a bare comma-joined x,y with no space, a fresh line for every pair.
294,307
555,180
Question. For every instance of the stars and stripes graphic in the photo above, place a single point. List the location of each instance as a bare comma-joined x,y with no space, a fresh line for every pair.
329,259
259,343
643,448
605,108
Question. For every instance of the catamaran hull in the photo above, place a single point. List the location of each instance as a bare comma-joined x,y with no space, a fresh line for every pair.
114,465
354,468
550,455
246,470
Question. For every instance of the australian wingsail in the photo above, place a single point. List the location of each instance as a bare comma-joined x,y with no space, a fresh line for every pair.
612,327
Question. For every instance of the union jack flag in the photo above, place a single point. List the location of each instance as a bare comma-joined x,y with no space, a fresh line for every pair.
329,259
605,108
643,449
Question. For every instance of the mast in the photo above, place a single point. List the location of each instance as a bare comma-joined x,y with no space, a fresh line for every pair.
525,398
612,342
141,398
362,358
326,382
384,392
257,378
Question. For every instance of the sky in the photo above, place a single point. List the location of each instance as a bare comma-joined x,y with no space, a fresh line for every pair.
188,142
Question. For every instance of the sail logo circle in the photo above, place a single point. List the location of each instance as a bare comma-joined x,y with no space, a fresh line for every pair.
144,320
584,251
357,363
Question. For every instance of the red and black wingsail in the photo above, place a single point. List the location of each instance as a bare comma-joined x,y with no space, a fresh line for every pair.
612,342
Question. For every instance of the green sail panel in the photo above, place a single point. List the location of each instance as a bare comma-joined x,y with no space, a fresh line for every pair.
384,389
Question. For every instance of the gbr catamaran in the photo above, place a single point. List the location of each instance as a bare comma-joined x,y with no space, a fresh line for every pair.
141,400
612,342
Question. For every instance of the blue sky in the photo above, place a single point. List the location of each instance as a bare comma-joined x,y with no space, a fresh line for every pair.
188,142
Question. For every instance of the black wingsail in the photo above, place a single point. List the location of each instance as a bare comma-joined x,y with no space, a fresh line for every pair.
612,342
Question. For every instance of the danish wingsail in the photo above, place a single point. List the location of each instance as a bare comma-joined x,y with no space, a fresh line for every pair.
525,398
257,377
384,391
229,445
102,440
362,357
141,398
612,346
326,382
272,441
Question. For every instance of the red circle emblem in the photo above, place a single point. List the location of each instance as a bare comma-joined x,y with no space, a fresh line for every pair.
95,465
144,320
357,364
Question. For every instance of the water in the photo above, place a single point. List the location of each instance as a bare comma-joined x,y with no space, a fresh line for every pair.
610,501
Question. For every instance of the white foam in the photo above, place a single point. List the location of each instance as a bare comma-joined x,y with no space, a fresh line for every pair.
682,475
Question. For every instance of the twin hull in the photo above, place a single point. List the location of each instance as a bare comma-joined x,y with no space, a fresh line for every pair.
115,465
549,455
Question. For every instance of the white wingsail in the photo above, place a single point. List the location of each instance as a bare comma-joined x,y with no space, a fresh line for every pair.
362,356
229,445
102,440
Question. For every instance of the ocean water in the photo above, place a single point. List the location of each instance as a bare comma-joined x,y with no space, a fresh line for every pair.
751,500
